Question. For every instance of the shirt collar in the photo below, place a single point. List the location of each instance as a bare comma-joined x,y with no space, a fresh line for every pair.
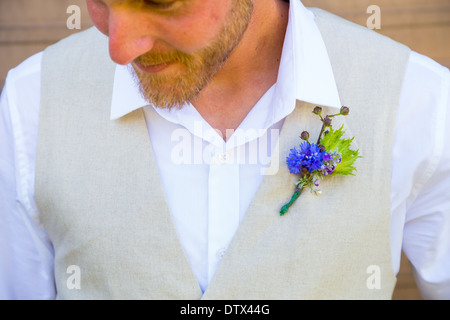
305,72
305,68
126,96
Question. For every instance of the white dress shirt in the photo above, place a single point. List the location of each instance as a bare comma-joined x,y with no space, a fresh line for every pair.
209,183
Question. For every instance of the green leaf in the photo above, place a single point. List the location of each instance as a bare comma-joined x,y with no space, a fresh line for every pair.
333,142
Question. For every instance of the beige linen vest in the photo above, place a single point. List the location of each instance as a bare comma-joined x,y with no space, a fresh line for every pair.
102,203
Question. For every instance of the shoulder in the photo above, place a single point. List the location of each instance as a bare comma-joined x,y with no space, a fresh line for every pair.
26,72
355,50
425,104
80,59
21,93
346,32
425,94
31,66
90,38
426,72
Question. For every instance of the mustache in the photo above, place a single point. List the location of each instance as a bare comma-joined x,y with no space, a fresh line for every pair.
155,58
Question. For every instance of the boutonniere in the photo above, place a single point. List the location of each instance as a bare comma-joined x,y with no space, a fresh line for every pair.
330,156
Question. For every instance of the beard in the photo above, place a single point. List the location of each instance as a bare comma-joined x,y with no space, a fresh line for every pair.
197,69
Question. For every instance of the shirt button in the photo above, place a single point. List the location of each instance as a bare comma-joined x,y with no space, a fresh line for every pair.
222,158
221,253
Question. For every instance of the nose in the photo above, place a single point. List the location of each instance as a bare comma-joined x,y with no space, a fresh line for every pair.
128,36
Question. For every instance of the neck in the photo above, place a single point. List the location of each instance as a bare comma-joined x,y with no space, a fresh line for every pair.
249,72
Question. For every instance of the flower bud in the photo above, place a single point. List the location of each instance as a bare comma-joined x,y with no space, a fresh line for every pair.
345,110
305,135
327,121
321,147
317,110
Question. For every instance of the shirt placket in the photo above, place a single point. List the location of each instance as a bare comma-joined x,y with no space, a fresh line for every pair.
223,207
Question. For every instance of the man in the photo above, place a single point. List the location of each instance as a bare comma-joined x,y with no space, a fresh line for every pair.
160,174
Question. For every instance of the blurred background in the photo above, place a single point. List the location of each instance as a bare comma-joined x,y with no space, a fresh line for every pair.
28,26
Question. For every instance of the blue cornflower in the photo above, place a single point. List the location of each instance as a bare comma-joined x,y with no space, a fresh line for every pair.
307,156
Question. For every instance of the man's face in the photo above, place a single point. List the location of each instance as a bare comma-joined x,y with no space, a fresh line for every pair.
175,47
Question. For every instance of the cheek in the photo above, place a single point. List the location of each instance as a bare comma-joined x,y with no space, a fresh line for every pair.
99,14
193,32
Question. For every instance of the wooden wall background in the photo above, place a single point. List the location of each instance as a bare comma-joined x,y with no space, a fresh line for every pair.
28,26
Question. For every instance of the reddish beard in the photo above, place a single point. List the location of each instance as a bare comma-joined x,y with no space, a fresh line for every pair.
188,74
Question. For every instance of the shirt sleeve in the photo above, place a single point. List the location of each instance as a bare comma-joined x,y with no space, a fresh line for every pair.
26,257
421,175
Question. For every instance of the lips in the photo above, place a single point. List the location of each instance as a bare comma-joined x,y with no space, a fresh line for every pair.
155,68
